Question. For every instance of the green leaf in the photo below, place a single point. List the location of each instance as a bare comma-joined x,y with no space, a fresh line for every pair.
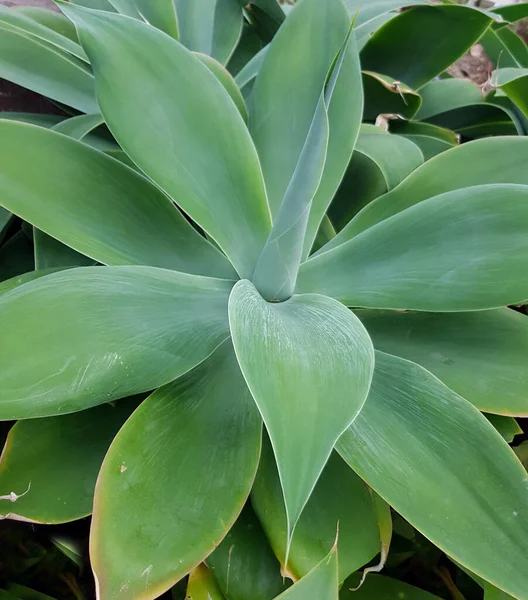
506,426
16,256
202,585
443,95
160,14
340,498
43,174
50,19
321,582
504,47
293,340
514,82
223,75
96,4
35,29
50,253
295,67
513,12
18,280
249,46
445,469
480,355
189,454
32,118
95,334
431,139
379,587
193,124
467,165
385,95
43,68
462,250
449,30
56,460
244,565
212,27
80,126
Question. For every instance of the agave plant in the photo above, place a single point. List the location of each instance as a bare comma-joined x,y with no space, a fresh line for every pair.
229,345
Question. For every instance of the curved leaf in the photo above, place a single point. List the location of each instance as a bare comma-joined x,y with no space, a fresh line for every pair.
514,82
57,461
14,282
445,469
160,14
440,33
339,499
379,587
41,67
50,19
95,334
506,426
321,582
385,95
50,253
80,126
202,585
292,340
183,466
122,219
431,139
212,27
244,565
480,355
463,250
192,141
467,165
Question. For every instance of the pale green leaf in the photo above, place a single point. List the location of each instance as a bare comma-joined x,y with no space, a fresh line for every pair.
183,466
160,14
95,334
192,141
322,362
202,585
445,469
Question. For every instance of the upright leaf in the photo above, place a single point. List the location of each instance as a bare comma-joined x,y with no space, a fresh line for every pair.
321,360
43,68
463,250
212,27
122,219
321,582
192,141
444,468
57,461
189,454
441,33
339,499
160,14
467,165
480,355
95,334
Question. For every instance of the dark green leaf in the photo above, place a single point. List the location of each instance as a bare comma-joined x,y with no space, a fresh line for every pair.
379,587
384,95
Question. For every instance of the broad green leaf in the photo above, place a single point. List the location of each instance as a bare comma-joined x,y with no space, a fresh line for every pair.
370,10
43,175
16,256
379,163
431,139
244,565
222,74
50,19
32,118
50,253
14,282
288,89
339,499
189,454
514,82
462,250
95,334
160,14
379,587
467,165
321,582
513,12
322,361
80,126
441,33
445,469
96,4
193,128
212,27
35,29
43,68
442,95
245,78
480,355
202,585
57,460
127,8
504,47
506,426
385,95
